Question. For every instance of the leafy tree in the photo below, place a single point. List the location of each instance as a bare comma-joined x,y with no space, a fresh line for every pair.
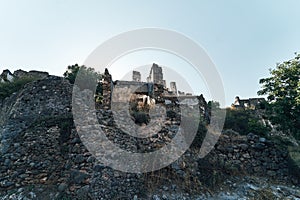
71,73
213,105
87,78
245,121
283,90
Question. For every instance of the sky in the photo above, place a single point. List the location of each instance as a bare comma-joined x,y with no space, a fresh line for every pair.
244,39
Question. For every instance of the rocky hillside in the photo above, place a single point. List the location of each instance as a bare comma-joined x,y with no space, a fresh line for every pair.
42,157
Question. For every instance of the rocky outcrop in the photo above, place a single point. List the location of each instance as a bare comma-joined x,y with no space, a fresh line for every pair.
6,76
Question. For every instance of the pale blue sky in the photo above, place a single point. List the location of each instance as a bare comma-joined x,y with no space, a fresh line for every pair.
243,38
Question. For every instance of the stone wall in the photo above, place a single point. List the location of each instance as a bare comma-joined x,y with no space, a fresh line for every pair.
249,155
42,98
122,91
136,76
41,148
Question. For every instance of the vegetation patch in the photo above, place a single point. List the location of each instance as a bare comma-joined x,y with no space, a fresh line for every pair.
8,88
245,122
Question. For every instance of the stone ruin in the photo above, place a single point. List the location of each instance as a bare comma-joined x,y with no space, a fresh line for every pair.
173,88
251,103
156,75
136,76
38,153
155,87
7,76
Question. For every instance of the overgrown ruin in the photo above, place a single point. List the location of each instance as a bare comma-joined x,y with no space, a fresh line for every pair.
43,157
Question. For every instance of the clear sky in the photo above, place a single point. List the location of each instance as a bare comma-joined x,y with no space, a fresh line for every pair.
243,38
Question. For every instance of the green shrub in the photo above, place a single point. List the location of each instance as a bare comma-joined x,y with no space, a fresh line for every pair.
200,135
141,117
8,88
87,78
244,122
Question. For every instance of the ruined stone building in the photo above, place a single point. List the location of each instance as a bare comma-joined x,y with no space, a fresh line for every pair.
173,88
155,87
156,75
251,103
120,91
181,93
136,76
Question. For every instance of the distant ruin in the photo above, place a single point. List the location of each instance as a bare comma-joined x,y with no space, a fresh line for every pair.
156,75
7,76
155,87
173,88
136,76
251,103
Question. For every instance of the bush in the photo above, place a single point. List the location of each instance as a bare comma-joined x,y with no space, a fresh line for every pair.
87,77
141,117
200,135
244,122
8,88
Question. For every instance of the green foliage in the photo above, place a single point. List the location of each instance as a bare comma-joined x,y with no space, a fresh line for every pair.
72,72
213,105
200,135
140,117
86,77
244,122
8,88
283,90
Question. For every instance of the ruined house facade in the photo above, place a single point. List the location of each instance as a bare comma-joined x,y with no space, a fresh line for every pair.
156,75
251,103
136,76
124,91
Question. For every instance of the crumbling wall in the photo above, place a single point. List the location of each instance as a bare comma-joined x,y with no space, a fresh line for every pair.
136,76
37,154
248,155
42,98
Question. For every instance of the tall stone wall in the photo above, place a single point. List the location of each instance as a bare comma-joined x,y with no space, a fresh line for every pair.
250,155
39,153
136,76
39,99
